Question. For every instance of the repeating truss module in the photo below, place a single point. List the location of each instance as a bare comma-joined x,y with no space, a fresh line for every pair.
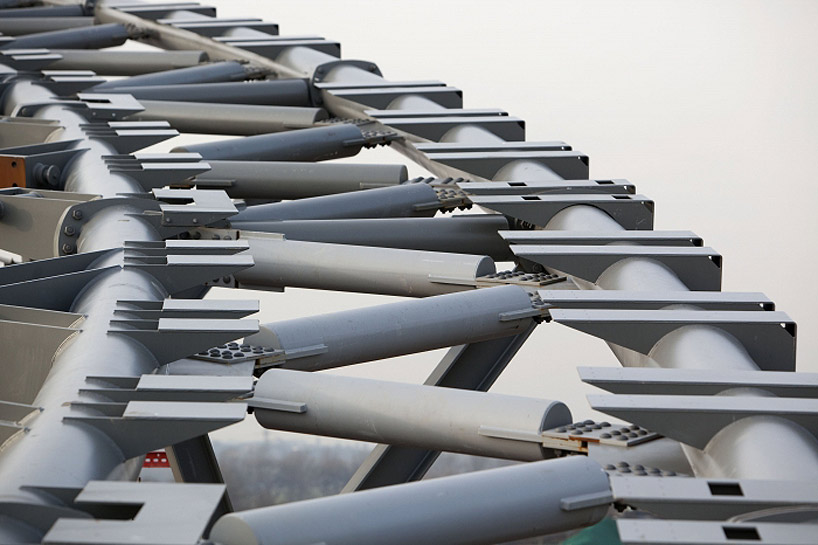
111,353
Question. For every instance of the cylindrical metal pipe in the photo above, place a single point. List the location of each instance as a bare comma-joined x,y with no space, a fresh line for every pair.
395,329
126,63
279,180
383,202
91,37
467,234
427,417
237,119
281,263
19,26
320,144
285,92
204,73
480,508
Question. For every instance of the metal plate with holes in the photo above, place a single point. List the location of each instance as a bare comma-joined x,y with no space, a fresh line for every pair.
676,532
575,437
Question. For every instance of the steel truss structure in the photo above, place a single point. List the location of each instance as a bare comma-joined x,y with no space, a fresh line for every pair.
111,352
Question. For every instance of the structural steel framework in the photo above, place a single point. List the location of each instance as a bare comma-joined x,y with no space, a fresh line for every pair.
110,352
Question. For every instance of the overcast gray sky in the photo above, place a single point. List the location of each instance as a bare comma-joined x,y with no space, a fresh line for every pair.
708,107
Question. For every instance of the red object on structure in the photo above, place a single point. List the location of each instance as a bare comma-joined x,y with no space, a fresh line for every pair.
157,458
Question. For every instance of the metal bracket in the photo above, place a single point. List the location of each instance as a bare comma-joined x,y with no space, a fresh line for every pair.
155,520
23,131
633,212
434,128
28,59
698,268
13,417
570,165
455,147
38,166
653,300
188,308
217,27
94,106
421,114
710,499
172,388
277,405
273,47
675,532
768,337
694,420
611,187
381,95
186,264
642,380
154,170
576,238
193,207
158,11
130,136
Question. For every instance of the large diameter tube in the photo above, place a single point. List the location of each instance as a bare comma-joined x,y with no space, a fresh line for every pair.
467,234
320,144
285,92
394,329
280,180
91,37
125,63
408,415
480,508
383,202
281,263
203,73
238,119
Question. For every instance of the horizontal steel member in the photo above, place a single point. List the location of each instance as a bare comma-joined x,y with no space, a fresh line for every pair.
466,234
677,532
699,268
630,211
395,201
158,11
221,27
280,263
125,63
457,147
768,337
382,96
234,119
273,47
427,417
637,380
479,508
280,180
383,331
537,188
655,300
435,128
568,165
711,499
644,238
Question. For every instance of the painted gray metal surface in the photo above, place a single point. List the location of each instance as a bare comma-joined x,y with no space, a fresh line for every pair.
129,321
543,497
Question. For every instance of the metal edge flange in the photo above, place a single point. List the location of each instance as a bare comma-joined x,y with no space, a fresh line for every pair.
656,300
217,28
455,147
632,212
157,170
591,238
569,165
434,128
612,187
28,59
768,337
698,267
185,388
130,136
